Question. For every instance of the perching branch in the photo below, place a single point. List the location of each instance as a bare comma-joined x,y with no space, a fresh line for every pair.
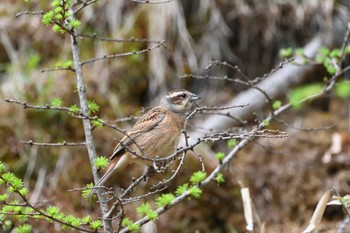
89,139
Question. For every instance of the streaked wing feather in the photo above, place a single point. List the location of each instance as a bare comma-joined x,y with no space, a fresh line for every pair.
145,123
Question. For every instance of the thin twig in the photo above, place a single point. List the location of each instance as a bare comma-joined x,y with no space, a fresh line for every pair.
158,45
31,143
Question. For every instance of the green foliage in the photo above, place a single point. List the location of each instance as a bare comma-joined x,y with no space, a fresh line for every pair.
198,177
220,178
181,189
220,155
131,225
93,107
2,167
231,143
52,210
23,212
74,108
23,191
4,197
300,93
266,122
74,23
85,192
33,61
57,102
47,18
14,182
285,52
277,104
164,199
85,220
329,58
97,123
195,191
59,17
95,225
101,162
64,64
72,220
342,89
25,228
145,210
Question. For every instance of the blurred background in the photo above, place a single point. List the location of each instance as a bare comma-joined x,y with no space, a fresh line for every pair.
286,176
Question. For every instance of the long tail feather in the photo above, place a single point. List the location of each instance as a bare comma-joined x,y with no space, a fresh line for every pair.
115,165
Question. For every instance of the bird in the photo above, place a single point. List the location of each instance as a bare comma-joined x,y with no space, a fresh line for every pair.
155,134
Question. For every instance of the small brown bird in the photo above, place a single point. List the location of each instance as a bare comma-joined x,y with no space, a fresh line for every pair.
156,133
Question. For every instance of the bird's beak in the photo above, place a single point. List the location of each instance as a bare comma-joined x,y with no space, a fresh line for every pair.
195,97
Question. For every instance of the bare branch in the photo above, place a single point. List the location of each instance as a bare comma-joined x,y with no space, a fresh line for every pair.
29,13
123,54
151,2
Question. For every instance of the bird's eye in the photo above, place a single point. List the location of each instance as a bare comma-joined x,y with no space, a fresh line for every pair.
183,95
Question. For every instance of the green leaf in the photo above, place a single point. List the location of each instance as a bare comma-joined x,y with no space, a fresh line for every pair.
198,177
347,50
220,178
74,23
56,3
300,93
52,210
152,215
143,208
277,104
165,199
47,18
58,17
56,103
58,9
195,192
86,219
25,228
134,227
23,191
231,143
93,107
14,182
2,167
101,162
4,197
33,61
96,224
131,225
97,123
126,222
64,64
335,53
342,89
285,52
85,192
181,189
324,51
220,155
266,122
56,28
74,108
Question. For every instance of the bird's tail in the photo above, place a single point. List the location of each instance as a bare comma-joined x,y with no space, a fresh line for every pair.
114,166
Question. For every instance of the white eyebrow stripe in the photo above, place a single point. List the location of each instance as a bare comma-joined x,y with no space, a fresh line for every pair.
176,94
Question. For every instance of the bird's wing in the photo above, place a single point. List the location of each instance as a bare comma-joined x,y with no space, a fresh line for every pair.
146,122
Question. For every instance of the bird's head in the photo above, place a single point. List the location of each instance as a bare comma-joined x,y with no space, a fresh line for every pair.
179,101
